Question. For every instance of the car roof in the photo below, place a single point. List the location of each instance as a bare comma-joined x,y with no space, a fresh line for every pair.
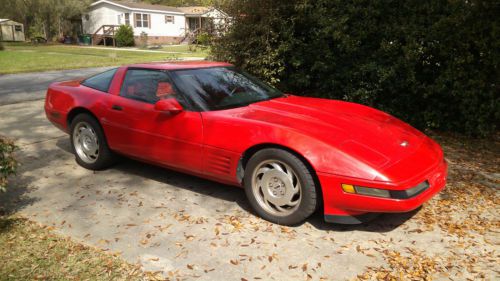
180,65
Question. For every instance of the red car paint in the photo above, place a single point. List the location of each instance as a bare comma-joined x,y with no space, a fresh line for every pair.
343,142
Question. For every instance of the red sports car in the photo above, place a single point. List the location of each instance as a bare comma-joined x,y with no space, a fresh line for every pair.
291,154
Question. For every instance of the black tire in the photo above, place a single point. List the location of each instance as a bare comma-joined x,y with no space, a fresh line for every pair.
105,156
308,190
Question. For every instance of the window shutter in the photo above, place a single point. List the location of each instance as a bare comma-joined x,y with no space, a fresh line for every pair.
149,21
135,19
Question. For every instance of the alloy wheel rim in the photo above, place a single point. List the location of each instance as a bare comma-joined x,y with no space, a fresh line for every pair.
276,187
86,142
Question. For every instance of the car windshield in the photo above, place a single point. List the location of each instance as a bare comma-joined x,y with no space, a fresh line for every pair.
221,88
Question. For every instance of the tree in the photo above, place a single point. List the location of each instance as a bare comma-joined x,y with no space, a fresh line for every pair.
47,17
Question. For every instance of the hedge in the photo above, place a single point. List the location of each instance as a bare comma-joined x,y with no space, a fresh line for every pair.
431,63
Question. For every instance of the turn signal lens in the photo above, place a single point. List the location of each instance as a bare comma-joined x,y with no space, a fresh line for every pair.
348,188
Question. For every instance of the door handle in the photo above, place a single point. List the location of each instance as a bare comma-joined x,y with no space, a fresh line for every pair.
116,107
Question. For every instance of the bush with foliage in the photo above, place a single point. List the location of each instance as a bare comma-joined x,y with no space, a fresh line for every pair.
1,46
124,36
204,39
8,163
433,63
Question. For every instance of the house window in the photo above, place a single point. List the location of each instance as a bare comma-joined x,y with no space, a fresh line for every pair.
18,27
142,20
127,18
169,19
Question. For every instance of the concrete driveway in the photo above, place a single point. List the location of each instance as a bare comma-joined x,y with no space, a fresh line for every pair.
32,86
192,229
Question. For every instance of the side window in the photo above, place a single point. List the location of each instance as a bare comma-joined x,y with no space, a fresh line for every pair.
147,85
100,81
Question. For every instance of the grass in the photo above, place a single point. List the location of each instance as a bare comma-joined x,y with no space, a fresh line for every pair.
185,49
30,251
23,57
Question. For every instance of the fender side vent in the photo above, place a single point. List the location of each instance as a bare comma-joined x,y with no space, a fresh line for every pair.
219,164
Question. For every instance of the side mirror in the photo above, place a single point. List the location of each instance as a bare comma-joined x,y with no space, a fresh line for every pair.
170,105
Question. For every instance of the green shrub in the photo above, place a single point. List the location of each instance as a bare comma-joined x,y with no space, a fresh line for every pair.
1,46
124,36
432,63
204,39
8,163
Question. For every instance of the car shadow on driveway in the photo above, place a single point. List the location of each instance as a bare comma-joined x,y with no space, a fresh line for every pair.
176,179
383,223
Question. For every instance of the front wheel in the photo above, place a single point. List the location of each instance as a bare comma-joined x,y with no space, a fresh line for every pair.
280,187
89,143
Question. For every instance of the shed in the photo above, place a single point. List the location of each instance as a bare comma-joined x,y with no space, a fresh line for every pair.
11,30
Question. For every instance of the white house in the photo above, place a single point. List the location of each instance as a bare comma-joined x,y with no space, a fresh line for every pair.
162,24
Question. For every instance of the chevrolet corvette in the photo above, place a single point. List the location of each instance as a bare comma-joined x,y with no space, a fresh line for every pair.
292,155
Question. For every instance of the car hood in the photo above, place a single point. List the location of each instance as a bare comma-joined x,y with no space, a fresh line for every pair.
367,134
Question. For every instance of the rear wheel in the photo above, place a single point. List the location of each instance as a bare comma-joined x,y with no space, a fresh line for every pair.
280,187
89,143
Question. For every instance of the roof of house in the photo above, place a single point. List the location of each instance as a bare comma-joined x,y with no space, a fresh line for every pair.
195,10
140,6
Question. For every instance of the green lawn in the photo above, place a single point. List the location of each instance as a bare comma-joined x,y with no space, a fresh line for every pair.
29,58
185,49
32,252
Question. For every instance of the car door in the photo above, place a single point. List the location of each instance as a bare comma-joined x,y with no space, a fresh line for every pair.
136,129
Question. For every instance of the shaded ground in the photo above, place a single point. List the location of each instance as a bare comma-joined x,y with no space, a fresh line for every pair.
193,229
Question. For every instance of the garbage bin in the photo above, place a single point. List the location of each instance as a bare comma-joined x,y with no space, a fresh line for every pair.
86,39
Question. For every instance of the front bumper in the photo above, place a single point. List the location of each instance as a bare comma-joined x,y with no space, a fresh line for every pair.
354,207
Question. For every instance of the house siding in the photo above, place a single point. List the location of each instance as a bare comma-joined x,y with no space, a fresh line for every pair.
101,14
159,27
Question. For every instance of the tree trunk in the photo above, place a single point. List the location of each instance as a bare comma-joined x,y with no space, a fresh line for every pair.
48,30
